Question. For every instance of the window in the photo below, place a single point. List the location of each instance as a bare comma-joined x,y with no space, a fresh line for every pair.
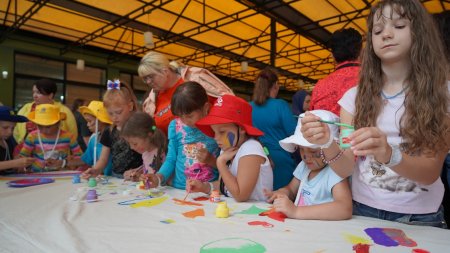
39,66
90,75
84,92
24,91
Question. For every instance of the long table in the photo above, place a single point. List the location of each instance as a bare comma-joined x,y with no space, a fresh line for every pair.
56,217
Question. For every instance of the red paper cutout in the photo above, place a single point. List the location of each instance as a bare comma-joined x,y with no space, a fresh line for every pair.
260,223
279,216
201,198
420,251
361,248
186,203
194,213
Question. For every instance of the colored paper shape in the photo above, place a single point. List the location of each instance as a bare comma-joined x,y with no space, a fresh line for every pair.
361,248
420,251
400,237
274,215
233,245
353,239
260,223
185,203
150,202
390,237
253,210
168,221
30,182
194,213
379,237
201,198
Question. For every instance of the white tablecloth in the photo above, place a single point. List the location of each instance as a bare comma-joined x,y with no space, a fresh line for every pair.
44,219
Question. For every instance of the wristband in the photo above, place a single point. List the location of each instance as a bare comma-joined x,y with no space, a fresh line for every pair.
159,181
210,187
328,144
396,156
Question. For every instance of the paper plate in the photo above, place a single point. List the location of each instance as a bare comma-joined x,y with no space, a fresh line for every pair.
30,182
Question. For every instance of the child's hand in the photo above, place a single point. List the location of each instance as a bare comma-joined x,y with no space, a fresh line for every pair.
153,180
227,155
54,163
203,155
132,175
313,131
283,204
194,185
23,162
90,172
371,141
272,195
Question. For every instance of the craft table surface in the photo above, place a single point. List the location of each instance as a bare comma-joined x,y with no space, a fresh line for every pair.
43,218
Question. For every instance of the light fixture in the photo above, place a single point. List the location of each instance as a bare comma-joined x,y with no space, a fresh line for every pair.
5,74
80,64
148,39
244,66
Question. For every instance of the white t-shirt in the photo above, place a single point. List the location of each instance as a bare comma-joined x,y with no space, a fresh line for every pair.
318,190
382,188
265,179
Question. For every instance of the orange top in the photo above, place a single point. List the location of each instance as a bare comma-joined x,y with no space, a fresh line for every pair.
163,114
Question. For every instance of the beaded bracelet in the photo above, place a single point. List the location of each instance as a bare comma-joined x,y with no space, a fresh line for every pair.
334,159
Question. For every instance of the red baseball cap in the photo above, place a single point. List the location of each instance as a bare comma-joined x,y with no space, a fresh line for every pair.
229,109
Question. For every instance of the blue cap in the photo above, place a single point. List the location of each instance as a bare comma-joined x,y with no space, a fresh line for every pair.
7,114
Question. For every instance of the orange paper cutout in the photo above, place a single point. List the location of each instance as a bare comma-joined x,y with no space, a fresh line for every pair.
194,213
186,203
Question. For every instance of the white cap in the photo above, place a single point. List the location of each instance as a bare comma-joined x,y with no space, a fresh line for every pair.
297,138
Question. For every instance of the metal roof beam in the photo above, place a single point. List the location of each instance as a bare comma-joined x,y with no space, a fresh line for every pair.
114,20
37,5
169,37
284,14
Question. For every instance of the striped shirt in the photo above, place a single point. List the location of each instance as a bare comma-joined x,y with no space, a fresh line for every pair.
67,145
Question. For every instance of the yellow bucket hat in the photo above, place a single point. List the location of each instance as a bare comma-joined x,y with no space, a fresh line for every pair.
46,115
96,109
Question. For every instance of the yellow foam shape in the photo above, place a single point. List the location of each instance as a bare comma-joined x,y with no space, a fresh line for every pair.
150,202
353,239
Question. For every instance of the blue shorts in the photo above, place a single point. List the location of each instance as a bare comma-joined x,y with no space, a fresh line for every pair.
430,219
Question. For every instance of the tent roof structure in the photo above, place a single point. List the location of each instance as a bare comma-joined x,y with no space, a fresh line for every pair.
219,35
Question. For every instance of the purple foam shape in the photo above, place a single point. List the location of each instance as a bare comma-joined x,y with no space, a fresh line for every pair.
379,237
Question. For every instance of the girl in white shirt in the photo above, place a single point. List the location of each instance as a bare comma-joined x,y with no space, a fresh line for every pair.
245,170
399,110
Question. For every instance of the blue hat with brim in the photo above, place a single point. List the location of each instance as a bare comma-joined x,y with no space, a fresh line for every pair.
7,114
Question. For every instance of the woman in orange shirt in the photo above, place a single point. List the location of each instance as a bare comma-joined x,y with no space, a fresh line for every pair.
162,77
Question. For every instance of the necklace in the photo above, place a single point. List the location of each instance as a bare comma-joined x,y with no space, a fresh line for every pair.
42,146
393,96
7,154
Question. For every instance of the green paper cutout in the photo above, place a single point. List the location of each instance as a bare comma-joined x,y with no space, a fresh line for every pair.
253,210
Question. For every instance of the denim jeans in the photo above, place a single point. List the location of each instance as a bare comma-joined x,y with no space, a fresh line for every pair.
430,219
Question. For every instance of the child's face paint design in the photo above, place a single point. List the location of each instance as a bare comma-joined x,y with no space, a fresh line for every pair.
225,135
228,140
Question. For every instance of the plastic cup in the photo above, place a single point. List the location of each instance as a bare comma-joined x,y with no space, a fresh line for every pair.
92,182
91,195
344,141
76,179
222,210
